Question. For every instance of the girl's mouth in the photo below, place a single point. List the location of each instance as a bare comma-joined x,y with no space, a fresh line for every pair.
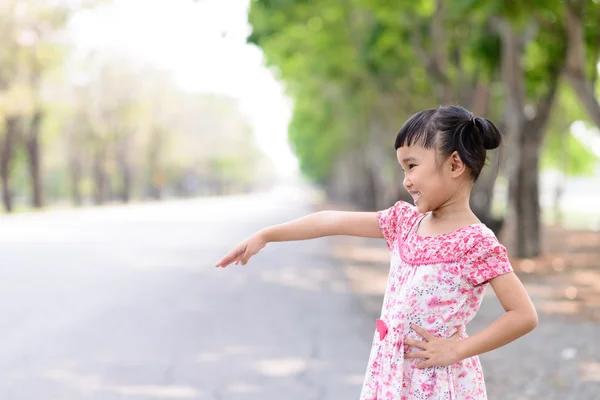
416,196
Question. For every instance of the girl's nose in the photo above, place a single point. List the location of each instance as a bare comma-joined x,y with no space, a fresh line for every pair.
406,182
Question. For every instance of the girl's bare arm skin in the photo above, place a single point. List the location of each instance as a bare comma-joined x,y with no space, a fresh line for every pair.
312,226
520,318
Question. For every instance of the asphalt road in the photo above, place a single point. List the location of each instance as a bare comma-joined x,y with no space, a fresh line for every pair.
125,303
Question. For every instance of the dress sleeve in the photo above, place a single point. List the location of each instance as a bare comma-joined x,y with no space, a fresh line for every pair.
391,220
486,260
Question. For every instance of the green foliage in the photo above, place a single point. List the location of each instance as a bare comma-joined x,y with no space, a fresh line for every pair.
591,11
316,138
347,63
561,150
569,155
315,52
336,59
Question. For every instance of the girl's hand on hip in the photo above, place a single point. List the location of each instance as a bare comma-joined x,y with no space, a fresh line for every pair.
243,251
437,352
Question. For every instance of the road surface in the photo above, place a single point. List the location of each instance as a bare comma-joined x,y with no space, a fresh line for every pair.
125,303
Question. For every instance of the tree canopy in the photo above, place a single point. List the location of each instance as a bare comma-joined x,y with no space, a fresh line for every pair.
357,69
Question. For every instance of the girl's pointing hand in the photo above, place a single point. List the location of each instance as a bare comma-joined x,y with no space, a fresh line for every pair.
243,251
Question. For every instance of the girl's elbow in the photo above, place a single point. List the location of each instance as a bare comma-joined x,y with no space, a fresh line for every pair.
531,321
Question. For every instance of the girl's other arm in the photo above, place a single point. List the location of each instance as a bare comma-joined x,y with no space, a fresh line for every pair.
520,318
319,224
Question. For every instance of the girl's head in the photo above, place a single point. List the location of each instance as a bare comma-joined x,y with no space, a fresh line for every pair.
442,152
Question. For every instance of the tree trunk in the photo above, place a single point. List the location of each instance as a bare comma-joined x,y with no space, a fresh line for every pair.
110,193
75,173
76,156
12,126
348,182
378,153
482,194
127,177
435,62
154,165
575,65
564,168
100,174
524,195
155,189
33,152
126,171
558,195
352,180
525,139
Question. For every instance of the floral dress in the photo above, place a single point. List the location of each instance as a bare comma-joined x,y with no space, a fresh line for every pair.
438,284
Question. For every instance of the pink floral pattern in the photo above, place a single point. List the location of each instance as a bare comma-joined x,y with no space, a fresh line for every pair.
436,283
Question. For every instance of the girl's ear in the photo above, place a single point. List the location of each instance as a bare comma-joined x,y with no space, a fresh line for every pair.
457,166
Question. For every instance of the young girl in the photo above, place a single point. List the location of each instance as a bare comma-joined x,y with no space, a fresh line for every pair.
442,259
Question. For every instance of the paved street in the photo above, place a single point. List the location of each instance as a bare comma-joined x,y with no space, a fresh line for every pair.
125,303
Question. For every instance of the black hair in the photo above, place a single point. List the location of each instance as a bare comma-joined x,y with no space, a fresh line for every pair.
449,129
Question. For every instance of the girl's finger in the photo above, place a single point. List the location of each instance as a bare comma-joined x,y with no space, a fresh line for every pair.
457,333
415,354
428,336
417,343
222,263
236,256
245,257
425,364
228,259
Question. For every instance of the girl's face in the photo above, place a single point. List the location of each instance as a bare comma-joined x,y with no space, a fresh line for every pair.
429,183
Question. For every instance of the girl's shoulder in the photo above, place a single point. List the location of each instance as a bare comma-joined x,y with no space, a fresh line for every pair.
480,238
402,214
485,257
401,210
396,219
470,240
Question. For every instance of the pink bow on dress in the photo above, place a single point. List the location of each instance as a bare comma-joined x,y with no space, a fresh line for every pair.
381,328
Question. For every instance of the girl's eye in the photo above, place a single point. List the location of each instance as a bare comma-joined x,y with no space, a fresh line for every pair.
410,166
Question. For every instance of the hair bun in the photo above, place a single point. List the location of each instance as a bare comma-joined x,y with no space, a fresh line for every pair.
489,133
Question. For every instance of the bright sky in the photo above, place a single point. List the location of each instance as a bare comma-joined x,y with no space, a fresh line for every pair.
185,38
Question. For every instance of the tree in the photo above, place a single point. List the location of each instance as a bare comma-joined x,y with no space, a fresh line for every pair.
149,138
11,120
526,131
346,99
30,51
349,94
581,69
562,151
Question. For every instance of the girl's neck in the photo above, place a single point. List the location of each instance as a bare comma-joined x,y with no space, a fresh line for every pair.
454,209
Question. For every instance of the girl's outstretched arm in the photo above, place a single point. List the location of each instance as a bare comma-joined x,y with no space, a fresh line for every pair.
325,223
319,224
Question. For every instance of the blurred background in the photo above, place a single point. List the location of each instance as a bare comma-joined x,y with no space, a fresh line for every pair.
141,140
